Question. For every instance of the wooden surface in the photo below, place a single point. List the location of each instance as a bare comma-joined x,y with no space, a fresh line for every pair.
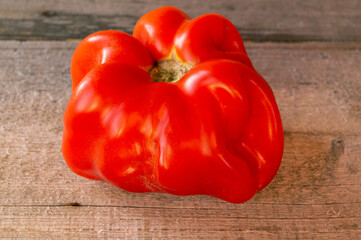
308,51
257,20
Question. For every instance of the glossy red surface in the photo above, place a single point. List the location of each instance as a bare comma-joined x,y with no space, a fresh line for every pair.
217,131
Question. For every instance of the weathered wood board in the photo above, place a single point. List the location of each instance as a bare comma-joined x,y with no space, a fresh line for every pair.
316,193
257,20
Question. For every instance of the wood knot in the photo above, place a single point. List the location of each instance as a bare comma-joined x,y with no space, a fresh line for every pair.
337,148
48,13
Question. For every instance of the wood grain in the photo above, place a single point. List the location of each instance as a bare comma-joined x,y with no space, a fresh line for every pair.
315,195
257,20
163,223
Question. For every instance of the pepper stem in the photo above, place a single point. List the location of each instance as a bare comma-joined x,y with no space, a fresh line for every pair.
169,70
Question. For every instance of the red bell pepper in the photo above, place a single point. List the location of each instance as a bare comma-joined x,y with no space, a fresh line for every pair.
176,108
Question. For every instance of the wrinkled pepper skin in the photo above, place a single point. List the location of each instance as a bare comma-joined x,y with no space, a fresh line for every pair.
217,131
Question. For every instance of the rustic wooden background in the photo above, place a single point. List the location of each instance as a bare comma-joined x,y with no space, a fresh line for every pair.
309,52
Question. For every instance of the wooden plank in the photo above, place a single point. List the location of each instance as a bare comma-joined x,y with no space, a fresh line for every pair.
258,20
316,193
163,223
